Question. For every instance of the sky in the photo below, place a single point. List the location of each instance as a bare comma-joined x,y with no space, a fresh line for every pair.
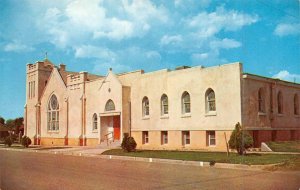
126,35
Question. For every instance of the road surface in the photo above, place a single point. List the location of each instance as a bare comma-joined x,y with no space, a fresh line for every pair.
28,170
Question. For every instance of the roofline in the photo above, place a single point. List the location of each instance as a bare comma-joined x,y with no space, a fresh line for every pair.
269,79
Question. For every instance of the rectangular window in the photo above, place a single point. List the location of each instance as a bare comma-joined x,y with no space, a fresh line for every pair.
164,137
28,90
185,138
211,135
145,137
33,89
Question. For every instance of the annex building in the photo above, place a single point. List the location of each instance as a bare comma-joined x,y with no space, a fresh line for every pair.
185,108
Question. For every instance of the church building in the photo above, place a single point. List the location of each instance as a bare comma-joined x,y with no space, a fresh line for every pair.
186,108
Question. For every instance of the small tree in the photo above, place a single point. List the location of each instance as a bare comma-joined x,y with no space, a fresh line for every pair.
8,141
26,141
128,143
240,140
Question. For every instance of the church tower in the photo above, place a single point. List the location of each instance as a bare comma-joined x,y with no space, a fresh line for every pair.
37,76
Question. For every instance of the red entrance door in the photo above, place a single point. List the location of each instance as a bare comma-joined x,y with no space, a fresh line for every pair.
116,125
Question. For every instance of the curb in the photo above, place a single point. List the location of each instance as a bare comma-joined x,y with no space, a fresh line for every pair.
154,160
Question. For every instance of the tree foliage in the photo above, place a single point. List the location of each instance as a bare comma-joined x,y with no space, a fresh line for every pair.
26,141
128,143
240,139
2,120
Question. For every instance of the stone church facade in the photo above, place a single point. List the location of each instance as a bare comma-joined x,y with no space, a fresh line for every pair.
185,108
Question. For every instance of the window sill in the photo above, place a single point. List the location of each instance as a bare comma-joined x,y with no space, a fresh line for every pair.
186,115
262,114
95,131
164,117
145,118
280,115
211,113
53,132
213,146
298,116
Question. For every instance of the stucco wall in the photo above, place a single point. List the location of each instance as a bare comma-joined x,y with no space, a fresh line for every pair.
224,80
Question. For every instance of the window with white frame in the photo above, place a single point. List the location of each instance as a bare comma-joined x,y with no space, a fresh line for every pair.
95,122
110,105
279,103
186,103
164,137
145,137
53,114
164,105
296,104
210,100
261,100
145,106
185,138
211,135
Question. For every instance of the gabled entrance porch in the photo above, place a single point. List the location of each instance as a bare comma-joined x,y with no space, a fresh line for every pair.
110,127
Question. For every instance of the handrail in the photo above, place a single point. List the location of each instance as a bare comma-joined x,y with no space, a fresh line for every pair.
108,138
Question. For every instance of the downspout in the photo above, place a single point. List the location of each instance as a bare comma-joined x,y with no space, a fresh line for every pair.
67,124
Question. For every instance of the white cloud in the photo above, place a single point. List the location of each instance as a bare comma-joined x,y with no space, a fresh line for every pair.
166,39
88,51
16,46
285,29
209,24
225,44
285,75
207,58
154,55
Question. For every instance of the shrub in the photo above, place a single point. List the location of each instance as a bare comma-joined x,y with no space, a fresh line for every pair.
8,141
128,143
26,141
240,140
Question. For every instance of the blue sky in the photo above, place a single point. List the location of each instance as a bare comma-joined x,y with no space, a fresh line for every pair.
93,35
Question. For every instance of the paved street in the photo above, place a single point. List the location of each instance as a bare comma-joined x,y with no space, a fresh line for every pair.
28,170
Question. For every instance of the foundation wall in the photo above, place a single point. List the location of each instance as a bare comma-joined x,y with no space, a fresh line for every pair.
198,140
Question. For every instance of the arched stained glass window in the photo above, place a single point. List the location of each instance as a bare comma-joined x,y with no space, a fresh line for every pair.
186,103
145,106
210,100
164,104
109,106
53,114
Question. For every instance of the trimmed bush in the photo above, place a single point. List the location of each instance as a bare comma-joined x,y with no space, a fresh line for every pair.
240,140
8,141
128,143
26,141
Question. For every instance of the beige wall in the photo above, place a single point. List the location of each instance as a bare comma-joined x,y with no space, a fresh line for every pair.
196,81
57,87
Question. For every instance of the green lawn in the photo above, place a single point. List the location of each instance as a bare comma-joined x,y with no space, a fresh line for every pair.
250,159
285,146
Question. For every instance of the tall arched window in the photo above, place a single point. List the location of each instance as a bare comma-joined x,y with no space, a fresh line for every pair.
296,104
95,122
145,106
109,106
164,104
261,100
279,103
210,100
186,103
53,114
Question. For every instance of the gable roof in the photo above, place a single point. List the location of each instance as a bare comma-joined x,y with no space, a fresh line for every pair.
54,70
